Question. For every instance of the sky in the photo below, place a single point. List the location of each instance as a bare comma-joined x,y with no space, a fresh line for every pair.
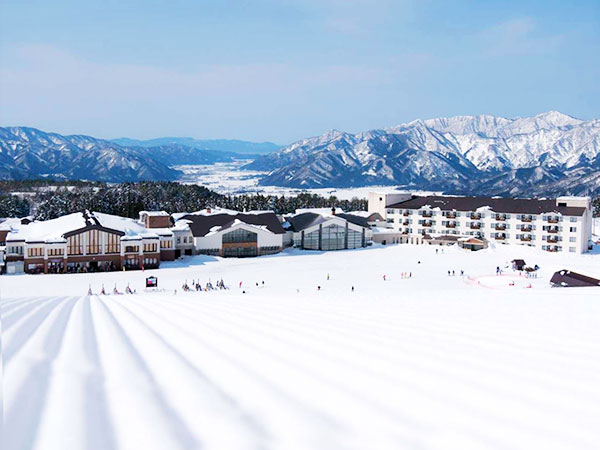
280,71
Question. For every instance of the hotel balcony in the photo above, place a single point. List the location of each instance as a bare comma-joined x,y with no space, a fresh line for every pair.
451,215
526,219
500,237
427,223
475,216
552,249
525,238
527,229
406,214
500,227
552,230
406,222
501,218
427,214
553,220
552,239
451,225
475,226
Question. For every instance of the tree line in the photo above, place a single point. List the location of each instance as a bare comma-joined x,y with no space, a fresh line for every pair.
46,200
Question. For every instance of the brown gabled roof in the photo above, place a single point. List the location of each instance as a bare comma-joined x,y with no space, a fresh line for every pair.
567,278
499,205
201,224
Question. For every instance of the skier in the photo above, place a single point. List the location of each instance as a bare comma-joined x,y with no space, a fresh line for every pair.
462,272
240,284
103,292
453,273
318,288
448,273
90,291
384,278
327,277
436,251
352,288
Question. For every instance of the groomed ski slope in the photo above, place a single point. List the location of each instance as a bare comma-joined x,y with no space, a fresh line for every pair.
429,362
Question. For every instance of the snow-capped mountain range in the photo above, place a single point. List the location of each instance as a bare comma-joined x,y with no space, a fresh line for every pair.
27,153
545,154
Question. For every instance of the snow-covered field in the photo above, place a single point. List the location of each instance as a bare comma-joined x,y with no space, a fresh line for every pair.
227,178
427,362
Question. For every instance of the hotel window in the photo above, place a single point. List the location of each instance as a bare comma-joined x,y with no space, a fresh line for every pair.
390,220
150,248
333,237
311,240
572,249
165,244
573,229
113,243
240,235
35,251
132,249
354,239
75,245
573,219
55,252
93,242
572,239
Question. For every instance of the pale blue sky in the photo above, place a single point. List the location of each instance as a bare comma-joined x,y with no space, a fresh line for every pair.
284,70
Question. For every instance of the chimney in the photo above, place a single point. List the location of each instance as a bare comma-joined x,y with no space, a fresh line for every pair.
333,210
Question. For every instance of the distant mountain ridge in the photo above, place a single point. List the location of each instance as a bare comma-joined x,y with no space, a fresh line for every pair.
225,145
27,153
544,154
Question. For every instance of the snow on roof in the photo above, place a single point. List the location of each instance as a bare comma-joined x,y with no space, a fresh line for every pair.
322,211
360,213
53,230
10,223
154,213
233,223
48,230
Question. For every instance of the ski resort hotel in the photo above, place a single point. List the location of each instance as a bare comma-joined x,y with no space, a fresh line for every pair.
563,224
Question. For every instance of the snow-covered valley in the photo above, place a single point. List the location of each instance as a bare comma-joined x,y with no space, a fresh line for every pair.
429,361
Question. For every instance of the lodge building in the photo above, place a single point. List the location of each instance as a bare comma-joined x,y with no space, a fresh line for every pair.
227,233
84,242
328,229
563,224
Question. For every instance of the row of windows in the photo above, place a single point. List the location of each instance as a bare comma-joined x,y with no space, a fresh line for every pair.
494,225
499,216
269,250
240,235
151,247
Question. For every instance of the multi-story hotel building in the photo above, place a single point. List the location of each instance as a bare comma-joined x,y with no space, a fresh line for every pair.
563,224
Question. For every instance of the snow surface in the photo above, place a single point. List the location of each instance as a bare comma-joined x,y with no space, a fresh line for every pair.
429,362
227,178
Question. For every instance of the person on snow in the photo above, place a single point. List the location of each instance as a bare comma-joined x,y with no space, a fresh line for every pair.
352,288
90,291
103,292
